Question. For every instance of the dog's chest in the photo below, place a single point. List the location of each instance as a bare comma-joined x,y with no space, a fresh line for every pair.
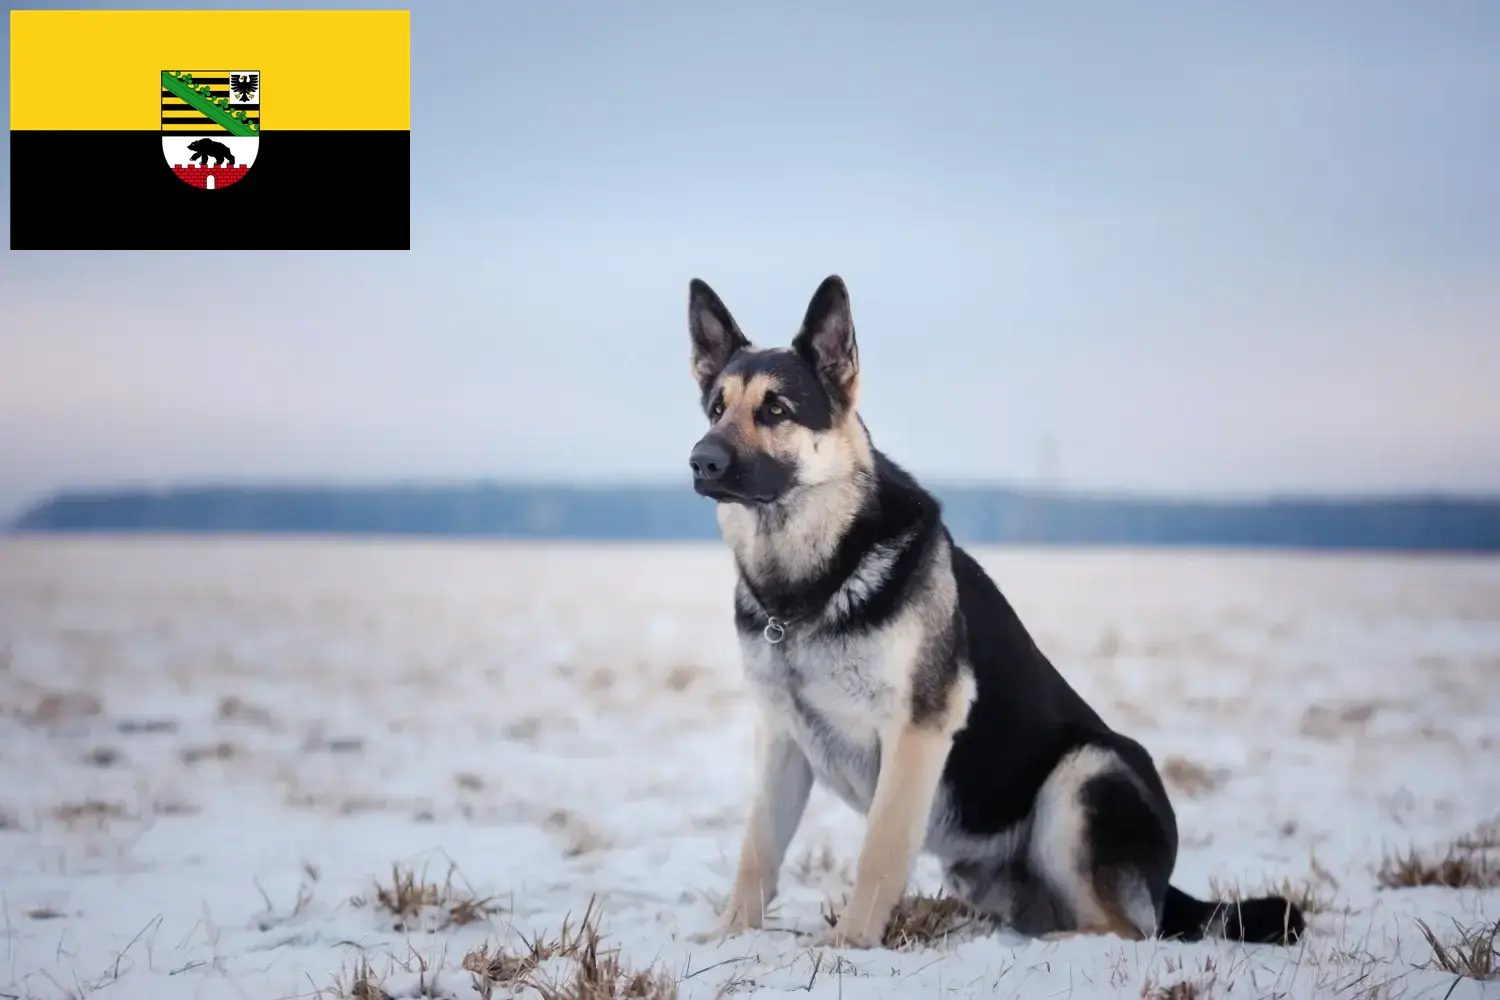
834,696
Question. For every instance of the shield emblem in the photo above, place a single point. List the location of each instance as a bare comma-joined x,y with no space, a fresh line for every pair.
210,125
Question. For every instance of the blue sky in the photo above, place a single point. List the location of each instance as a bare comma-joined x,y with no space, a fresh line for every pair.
1200,248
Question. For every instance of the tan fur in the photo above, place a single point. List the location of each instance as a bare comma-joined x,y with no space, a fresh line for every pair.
912,761
737,423
909,775
830,465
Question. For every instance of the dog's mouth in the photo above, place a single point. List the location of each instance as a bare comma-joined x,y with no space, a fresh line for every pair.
724,494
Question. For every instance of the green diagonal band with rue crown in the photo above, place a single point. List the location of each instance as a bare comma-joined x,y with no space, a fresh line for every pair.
181,84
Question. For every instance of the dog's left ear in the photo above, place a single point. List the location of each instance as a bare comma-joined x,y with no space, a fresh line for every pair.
827,341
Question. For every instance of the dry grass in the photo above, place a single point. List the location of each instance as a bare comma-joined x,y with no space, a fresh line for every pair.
361,984
1315,893
921,921
146,727
600,975
924,921
306,891
1458,868
499,967
596,973
89,810
1190,778
409,897
1485,837
1473,955
62,706
223,750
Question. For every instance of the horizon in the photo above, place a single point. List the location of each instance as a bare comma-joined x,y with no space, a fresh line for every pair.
9,519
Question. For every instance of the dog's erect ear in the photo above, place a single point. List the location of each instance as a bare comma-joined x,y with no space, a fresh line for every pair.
827,341
716,336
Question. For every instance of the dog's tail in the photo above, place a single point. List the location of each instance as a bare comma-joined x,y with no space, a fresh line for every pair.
1266,920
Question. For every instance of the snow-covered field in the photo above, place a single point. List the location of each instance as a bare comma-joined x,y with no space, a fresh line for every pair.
215,753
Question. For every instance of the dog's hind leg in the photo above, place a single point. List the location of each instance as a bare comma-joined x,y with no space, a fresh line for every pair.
1010,893
1103,848
784,781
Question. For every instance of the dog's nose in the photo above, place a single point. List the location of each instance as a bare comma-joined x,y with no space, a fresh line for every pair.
710,460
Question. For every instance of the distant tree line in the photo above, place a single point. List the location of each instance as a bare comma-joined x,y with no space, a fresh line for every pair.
975,514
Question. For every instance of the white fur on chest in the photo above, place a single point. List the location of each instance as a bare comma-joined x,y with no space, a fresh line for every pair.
835,697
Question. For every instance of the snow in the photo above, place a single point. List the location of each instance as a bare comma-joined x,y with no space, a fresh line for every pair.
211,750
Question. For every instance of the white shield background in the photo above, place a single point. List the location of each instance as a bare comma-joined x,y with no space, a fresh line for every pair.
178,154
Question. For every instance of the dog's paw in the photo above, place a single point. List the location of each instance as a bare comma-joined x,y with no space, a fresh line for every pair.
713,935
733,923
843,936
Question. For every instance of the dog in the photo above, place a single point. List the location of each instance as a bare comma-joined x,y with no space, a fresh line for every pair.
888,666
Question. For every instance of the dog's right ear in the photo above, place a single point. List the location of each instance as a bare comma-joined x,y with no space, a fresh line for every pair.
716,337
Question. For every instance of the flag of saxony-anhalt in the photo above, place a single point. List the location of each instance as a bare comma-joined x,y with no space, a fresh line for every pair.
188,130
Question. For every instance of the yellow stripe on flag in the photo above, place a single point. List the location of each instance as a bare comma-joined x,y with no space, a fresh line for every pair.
321,70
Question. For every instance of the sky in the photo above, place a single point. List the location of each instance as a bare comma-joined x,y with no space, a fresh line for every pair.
1162,247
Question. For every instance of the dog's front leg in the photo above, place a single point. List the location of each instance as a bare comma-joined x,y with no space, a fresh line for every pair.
911,765
783,781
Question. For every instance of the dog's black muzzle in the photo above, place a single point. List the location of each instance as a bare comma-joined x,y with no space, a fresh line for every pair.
721,473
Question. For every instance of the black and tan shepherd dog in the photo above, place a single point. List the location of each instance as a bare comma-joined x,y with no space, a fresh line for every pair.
888,666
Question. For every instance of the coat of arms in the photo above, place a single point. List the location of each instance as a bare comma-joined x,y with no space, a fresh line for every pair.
210,124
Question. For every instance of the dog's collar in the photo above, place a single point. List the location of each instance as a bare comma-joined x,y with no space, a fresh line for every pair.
777,625
775,630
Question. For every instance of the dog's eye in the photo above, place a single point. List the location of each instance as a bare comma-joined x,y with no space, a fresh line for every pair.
717,410
772,411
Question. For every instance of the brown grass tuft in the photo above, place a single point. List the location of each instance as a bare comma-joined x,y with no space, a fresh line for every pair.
91,810
45,913
410,896
1485,837
600,975
1456,869
61,706
223,750
513,969
921,921
1192,779
1474,955
362,984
